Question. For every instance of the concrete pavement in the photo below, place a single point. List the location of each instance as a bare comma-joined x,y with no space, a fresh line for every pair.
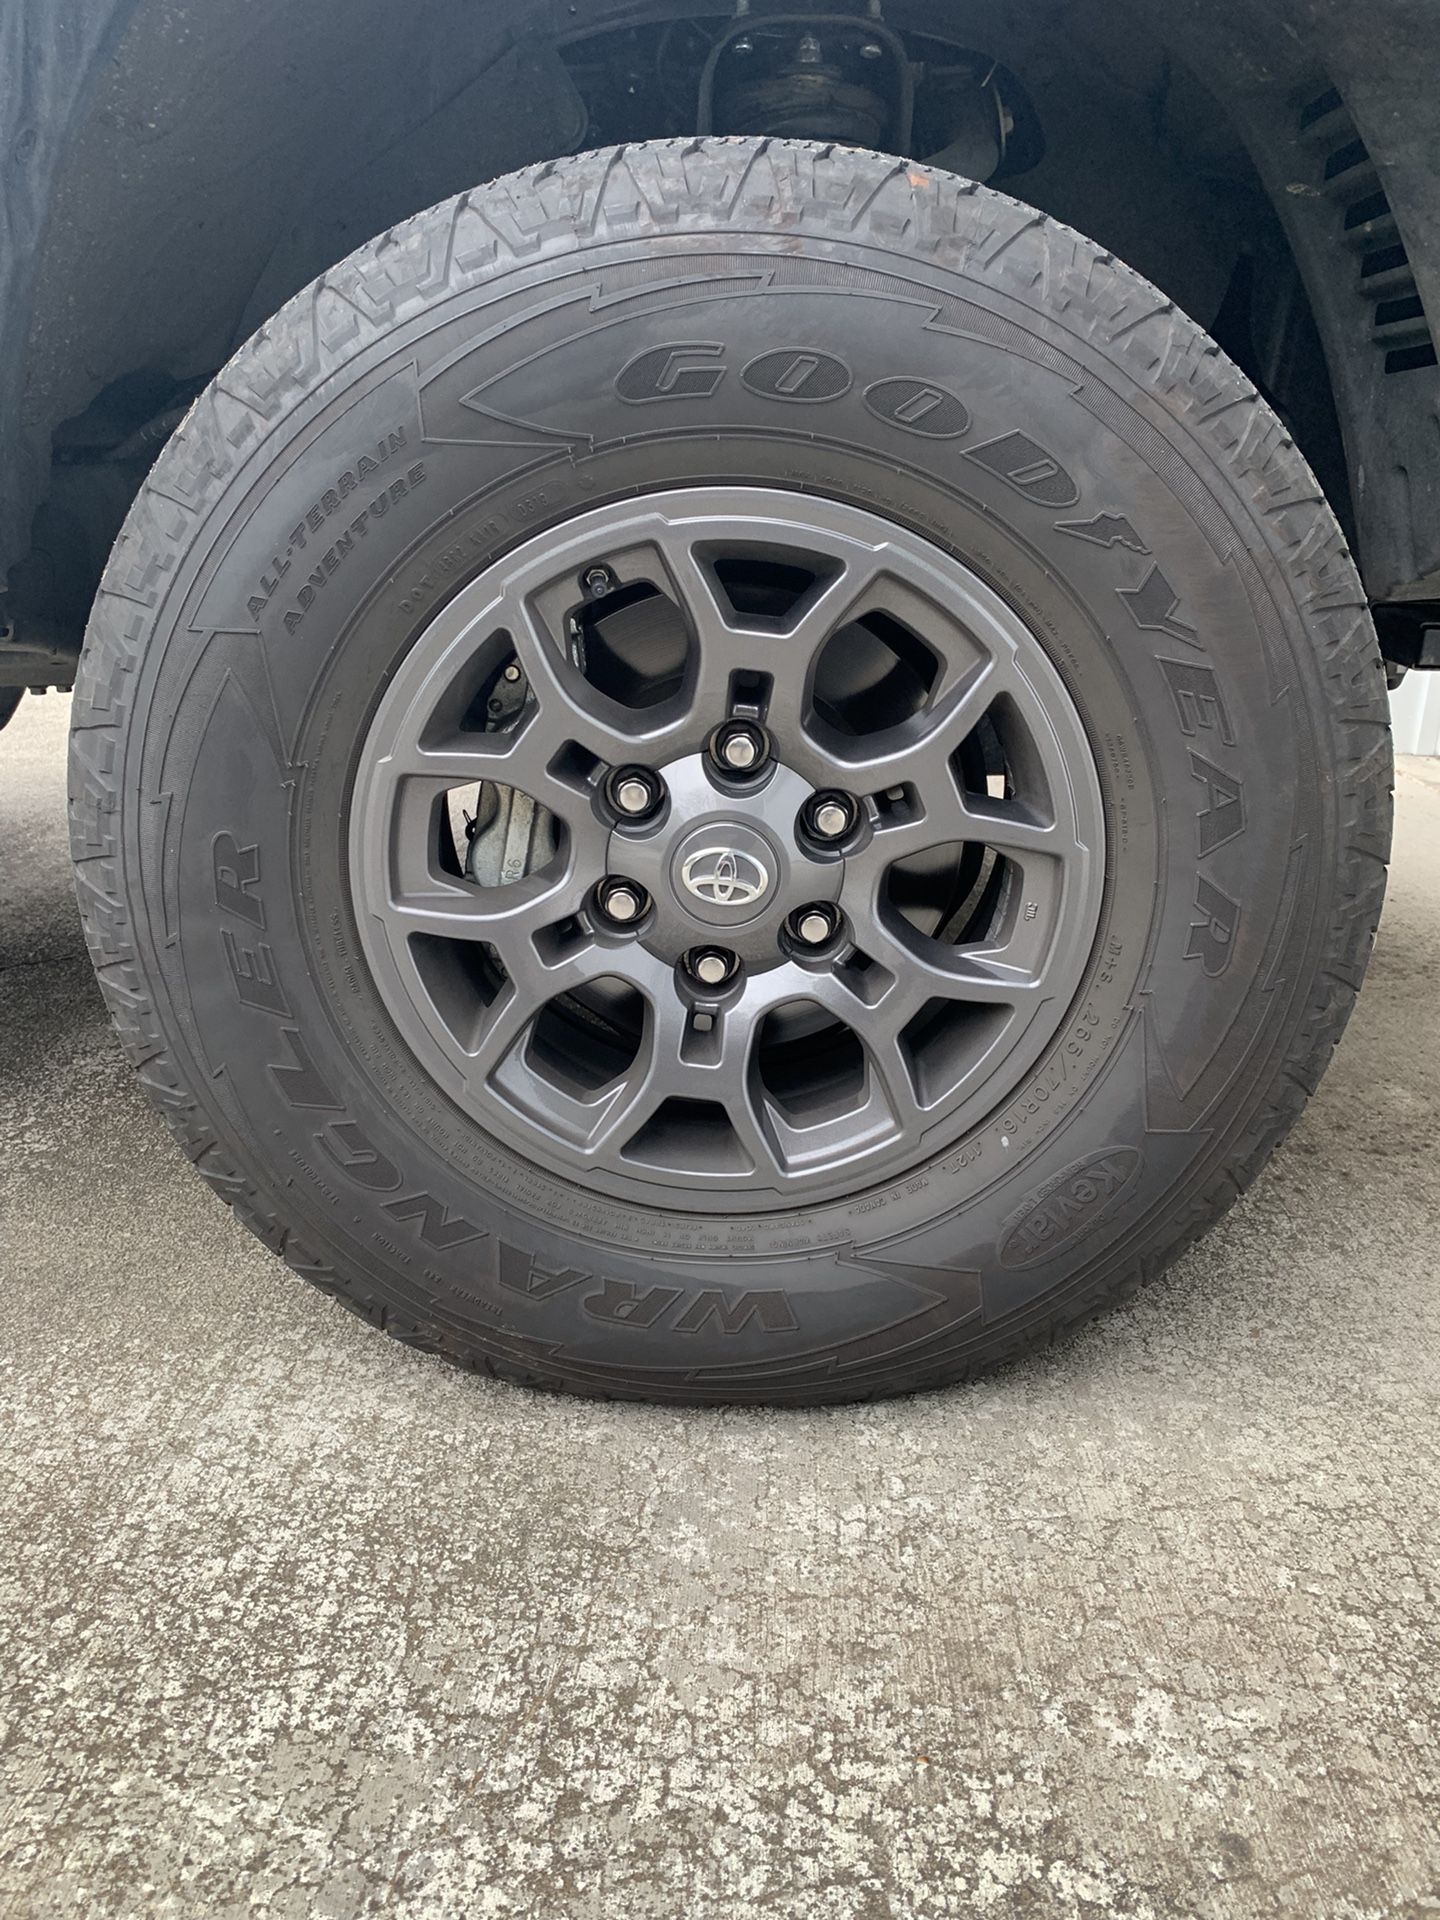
294,1622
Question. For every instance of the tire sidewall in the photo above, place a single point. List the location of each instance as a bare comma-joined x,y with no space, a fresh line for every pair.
256,733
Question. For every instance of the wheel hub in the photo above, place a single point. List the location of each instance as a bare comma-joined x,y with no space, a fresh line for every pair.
685,969
723,865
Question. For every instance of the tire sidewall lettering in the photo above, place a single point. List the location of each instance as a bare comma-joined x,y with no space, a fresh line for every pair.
1000,510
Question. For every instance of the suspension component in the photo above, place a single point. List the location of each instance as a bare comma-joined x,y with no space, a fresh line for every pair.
799,76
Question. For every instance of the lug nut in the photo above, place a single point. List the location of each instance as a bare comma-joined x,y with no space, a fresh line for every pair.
830,817
632,796
712,966
740,749
621,902
813,926
597,582
635,792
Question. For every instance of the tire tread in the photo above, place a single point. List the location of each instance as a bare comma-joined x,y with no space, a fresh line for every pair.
847,192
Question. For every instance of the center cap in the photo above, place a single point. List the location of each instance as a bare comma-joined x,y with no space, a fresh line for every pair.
725,872
723,867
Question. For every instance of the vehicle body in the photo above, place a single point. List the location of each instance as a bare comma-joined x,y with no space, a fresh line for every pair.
176,173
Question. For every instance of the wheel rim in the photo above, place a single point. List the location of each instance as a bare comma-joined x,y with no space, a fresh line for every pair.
901,883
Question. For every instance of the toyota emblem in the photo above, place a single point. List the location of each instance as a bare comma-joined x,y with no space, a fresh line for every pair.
725,877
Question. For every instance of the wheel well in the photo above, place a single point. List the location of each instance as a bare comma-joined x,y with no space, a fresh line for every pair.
214,174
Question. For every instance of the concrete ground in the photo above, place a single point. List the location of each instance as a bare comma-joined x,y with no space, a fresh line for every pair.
298,1623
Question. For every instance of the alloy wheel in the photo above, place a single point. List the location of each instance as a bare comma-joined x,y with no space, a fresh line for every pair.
727,842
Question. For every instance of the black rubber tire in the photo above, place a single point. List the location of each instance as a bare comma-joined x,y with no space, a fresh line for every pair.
1154,524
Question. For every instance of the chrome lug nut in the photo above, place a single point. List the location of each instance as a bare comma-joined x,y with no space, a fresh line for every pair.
831,816
632,796
813,926
740,749
634,792
621,902
712,967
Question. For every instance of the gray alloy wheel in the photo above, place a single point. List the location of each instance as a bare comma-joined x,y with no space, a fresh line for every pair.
879,981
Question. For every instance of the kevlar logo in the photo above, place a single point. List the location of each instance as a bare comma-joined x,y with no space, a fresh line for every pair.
1072,1204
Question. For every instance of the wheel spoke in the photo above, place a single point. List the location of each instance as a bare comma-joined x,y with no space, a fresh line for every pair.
720,1073
1012,828
732,653
569,710
606,1119
891,1070
949,818
917,754
734,1084
507,1018
409,848
647,1082
885,1108
507,918
793,656
923,970
719,648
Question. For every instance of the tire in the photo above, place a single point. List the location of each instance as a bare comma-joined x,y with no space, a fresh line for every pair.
1053,474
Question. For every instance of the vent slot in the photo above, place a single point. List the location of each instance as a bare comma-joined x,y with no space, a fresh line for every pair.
1395,313
1411,359
1385,260
1399,327
1320,108
1347,159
